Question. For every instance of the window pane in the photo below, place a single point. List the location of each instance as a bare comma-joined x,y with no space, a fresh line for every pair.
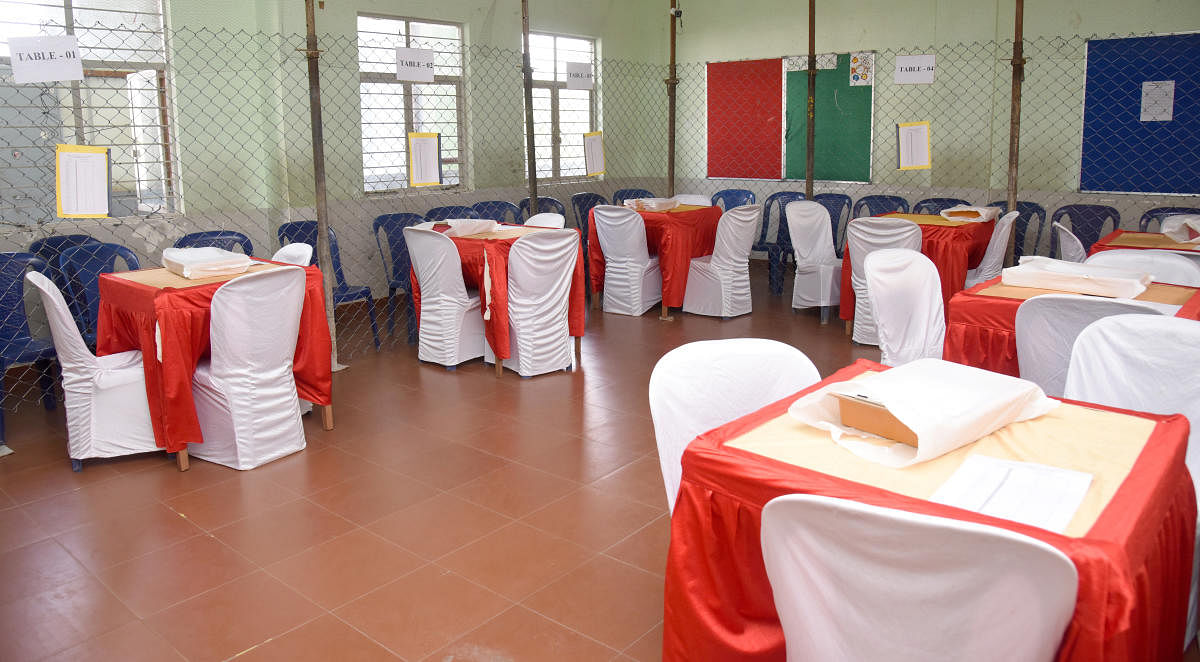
377,42
541,56
383,136
571,50
444,40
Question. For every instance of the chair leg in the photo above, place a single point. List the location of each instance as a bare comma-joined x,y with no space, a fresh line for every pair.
76,465
391,311
775,271
412,320
374,326
181,459
825,315
46,381
327,417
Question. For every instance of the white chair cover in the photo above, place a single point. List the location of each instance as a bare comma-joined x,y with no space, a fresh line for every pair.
632,280
1047,326
818,268
451,324
547,219
245,394
540,267
1163,266
295,253
854,581
693,199
105,397
1145,363
993,259
906,297
701,385
719,284
864,235
1069,246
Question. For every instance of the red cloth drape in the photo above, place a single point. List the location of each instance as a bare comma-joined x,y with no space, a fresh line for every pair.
129,312
1134,564
675,236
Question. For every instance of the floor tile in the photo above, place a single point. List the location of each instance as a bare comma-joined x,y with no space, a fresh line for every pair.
51,479
36,568
649,647
647,547
449,465
515,490
132,642
593,518
43,623
640,480
228,501
306,473
344,568
515,560
18,529
126,535
321,640
372,495
520,634
439,525
282,531
582,460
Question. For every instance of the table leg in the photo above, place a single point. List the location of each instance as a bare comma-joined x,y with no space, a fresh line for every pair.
849,327
181,458
596,296
327,417
665,315
499,367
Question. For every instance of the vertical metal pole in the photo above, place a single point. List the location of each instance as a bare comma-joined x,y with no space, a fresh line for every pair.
672,82
1014,125
530,148
76,94
324,258
810,149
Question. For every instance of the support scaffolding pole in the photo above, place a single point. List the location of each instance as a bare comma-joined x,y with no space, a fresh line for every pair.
530,149
1014,127
672,82
812,95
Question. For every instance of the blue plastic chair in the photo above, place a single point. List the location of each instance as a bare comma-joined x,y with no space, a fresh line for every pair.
16,344
501,211
1157,215
49,248
81,266
546,205
582,204
838,205
936,205
1087,222
226,239
624,194
780,246
400,275
733,197
1026,212
305,232
878,205
450,211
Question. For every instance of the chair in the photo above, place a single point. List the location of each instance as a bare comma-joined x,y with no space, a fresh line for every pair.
632,280
1026,213
305,232
398,264
108,414
547,219
81,266
500,211
1067,244
1144,363
17,346
733,197
450,211
583,203
1157,215
545,204
719,284
839,205
864,235
935,206
906,300
693,199
226,239
878,205
540,267
297,254
853,581
818,269
701,385
49,248
624,194
778,246
245,393
993,259
1088,222
451,325
1164,266
1046,328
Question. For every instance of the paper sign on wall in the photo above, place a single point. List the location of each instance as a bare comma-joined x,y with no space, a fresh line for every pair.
913,146
580,76
45,59
862,69
914,69
414,65
81,180
593,153
424,159
1158,101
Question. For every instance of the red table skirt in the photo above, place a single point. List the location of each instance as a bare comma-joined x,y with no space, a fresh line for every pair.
676,237
129,312
1134,564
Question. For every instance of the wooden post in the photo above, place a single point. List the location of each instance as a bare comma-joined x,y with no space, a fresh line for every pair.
809,151
527,72
324,257
672,82
1014,123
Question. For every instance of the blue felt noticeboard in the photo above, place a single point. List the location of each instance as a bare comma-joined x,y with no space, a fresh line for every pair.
1120,151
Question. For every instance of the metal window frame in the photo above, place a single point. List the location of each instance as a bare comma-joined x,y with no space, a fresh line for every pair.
554,86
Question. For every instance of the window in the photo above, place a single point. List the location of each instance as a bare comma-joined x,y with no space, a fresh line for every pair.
392,109
560,116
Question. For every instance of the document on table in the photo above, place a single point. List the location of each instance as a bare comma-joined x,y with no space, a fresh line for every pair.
1035,494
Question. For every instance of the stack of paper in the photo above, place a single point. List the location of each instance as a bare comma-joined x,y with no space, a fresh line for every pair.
969,213
1184,228
1047,274
1035,494
651,204
462,227
204,262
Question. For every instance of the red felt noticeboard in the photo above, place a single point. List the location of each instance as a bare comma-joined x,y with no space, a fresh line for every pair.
745,119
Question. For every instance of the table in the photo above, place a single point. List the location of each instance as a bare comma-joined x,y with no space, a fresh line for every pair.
981,321
676,236
954,247
134,304
1131,541
1143,241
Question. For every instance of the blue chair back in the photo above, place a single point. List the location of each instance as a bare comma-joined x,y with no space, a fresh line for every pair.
82,266
49,248
305,232
733,197
776,203
583,203
878,205
838,205
546,205
1087,222
450,211
624,194
936,205
14,321
396,253
226,239
1157,215
1026,212
501,211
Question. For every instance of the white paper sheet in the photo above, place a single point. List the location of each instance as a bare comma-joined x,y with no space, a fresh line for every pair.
45,59
424,160
1074,277
593,153
1035,494
915,69
83,183
1158,101
580,76
414,65
913,146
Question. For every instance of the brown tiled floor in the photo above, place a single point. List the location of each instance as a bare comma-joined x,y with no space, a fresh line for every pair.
450,516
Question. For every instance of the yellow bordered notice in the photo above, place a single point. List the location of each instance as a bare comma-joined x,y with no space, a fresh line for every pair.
593,153
913,146
82,184
424,159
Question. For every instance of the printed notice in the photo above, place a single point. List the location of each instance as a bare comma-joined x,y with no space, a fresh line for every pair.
914,69
1158,101
424,159
580,76
913,145
593,153
45,59
862,68
414,65
81,175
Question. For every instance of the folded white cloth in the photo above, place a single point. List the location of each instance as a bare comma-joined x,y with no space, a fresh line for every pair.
205,262
1184,228
948,405
651,204
972,214
461,227
1079,278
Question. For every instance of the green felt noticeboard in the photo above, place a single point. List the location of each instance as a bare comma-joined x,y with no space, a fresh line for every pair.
843,125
